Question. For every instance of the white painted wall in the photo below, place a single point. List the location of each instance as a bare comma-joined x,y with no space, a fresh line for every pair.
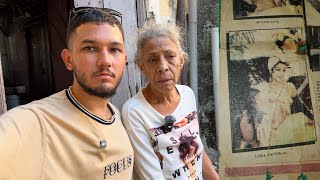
91,3
163,11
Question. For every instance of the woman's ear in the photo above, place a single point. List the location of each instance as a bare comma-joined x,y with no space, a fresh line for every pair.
181,61
141,67
67,59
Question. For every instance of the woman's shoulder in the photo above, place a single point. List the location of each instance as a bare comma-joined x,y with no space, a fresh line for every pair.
134,102
261,86
184,89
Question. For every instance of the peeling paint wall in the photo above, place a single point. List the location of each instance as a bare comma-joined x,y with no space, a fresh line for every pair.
161,10
91,3
207,18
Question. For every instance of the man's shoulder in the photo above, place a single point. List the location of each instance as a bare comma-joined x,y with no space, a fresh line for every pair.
31,108
52,99
24,111
114,108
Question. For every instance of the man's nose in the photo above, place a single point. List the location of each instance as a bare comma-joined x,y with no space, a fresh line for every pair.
104,58
163,65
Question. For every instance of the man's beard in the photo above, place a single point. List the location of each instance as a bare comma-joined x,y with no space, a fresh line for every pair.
102,92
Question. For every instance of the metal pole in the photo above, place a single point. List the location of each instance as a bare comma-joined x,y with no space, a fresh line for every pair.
193,48
216,75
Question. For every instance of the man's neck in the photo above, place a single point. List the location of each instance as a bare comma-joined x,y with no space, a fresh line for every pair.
96,105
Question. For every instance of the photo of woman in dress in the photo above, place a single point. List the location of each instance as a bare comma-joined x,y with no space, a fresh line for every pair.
270,99
274,100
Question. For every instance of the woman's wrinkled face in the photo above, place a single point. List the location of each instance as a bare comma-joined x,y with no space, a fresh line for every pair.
280,73
161,63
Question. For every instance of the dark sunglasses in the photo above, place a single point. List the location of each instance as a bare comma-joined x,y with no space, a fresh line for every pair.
84,10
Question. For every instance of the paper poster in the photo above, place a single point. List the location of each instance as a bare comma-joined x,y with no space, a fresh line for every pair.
270,86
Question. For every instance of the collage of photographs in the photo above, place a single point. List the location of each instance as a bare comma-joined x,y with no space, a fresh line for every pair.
271,60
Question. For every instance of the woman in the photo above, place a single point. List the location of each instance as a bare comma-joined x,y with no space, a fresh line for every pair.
278,125
163,114
274,99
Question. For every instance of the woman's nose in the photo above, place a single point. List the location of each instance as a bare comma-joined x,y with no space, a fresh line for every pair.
163,65
104,58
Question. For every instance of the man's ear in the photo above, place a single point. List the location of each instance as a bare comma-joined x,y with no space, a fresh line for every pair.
67,59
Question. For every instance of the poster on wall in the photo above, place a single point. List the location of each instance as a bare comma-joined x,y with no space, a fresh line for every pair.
270,86
249,9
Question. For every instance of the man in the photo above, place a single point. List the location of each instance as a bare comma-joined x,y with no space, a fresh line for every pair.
75,133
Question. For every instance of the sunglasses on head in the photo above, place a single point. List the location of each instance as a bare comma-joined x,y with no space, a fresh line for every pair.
84,10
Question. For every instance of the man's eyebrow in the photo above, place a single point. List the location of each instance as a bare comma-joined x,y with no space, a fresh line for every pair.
87,41
114,43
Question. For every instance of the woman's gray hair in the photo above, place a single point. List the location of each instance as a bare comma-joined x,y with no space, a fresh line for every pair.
152,30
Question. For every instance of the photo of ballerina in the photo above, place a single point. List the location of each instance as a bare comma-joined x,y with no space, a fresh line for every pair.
269,93
244,9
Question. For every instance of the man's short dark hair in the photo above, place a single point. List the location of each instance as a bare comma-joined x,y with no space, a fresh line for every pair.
90,14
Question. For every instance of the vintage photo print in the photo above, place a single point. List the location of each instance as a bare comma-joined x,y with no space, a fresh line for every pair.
244,9
269,94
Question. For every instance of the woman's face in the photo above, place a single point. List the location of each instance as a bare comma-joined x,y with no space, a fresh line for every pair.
280,73
161,63
192,149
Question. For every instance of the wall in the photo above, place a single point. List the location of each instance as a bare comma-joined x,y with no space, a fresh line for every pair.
207,18
161,10
17,56
57,33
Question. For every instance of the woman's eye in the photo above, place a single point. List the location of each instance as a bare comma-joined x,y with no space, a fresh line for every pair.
152,60
171,56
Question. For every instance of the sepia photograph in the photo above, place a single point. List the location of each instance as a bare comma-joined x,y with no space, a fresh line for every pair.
270,102
243,9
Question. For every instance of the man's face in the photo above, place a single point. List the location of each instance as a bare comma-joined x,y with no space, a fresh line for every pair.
97,58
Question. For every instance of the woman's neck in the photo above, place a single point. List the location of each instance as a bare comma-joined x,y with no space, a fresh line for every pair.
164,102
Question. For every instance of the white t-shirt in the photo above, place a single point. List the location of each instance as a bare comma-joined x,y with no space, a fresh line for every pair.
174,155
